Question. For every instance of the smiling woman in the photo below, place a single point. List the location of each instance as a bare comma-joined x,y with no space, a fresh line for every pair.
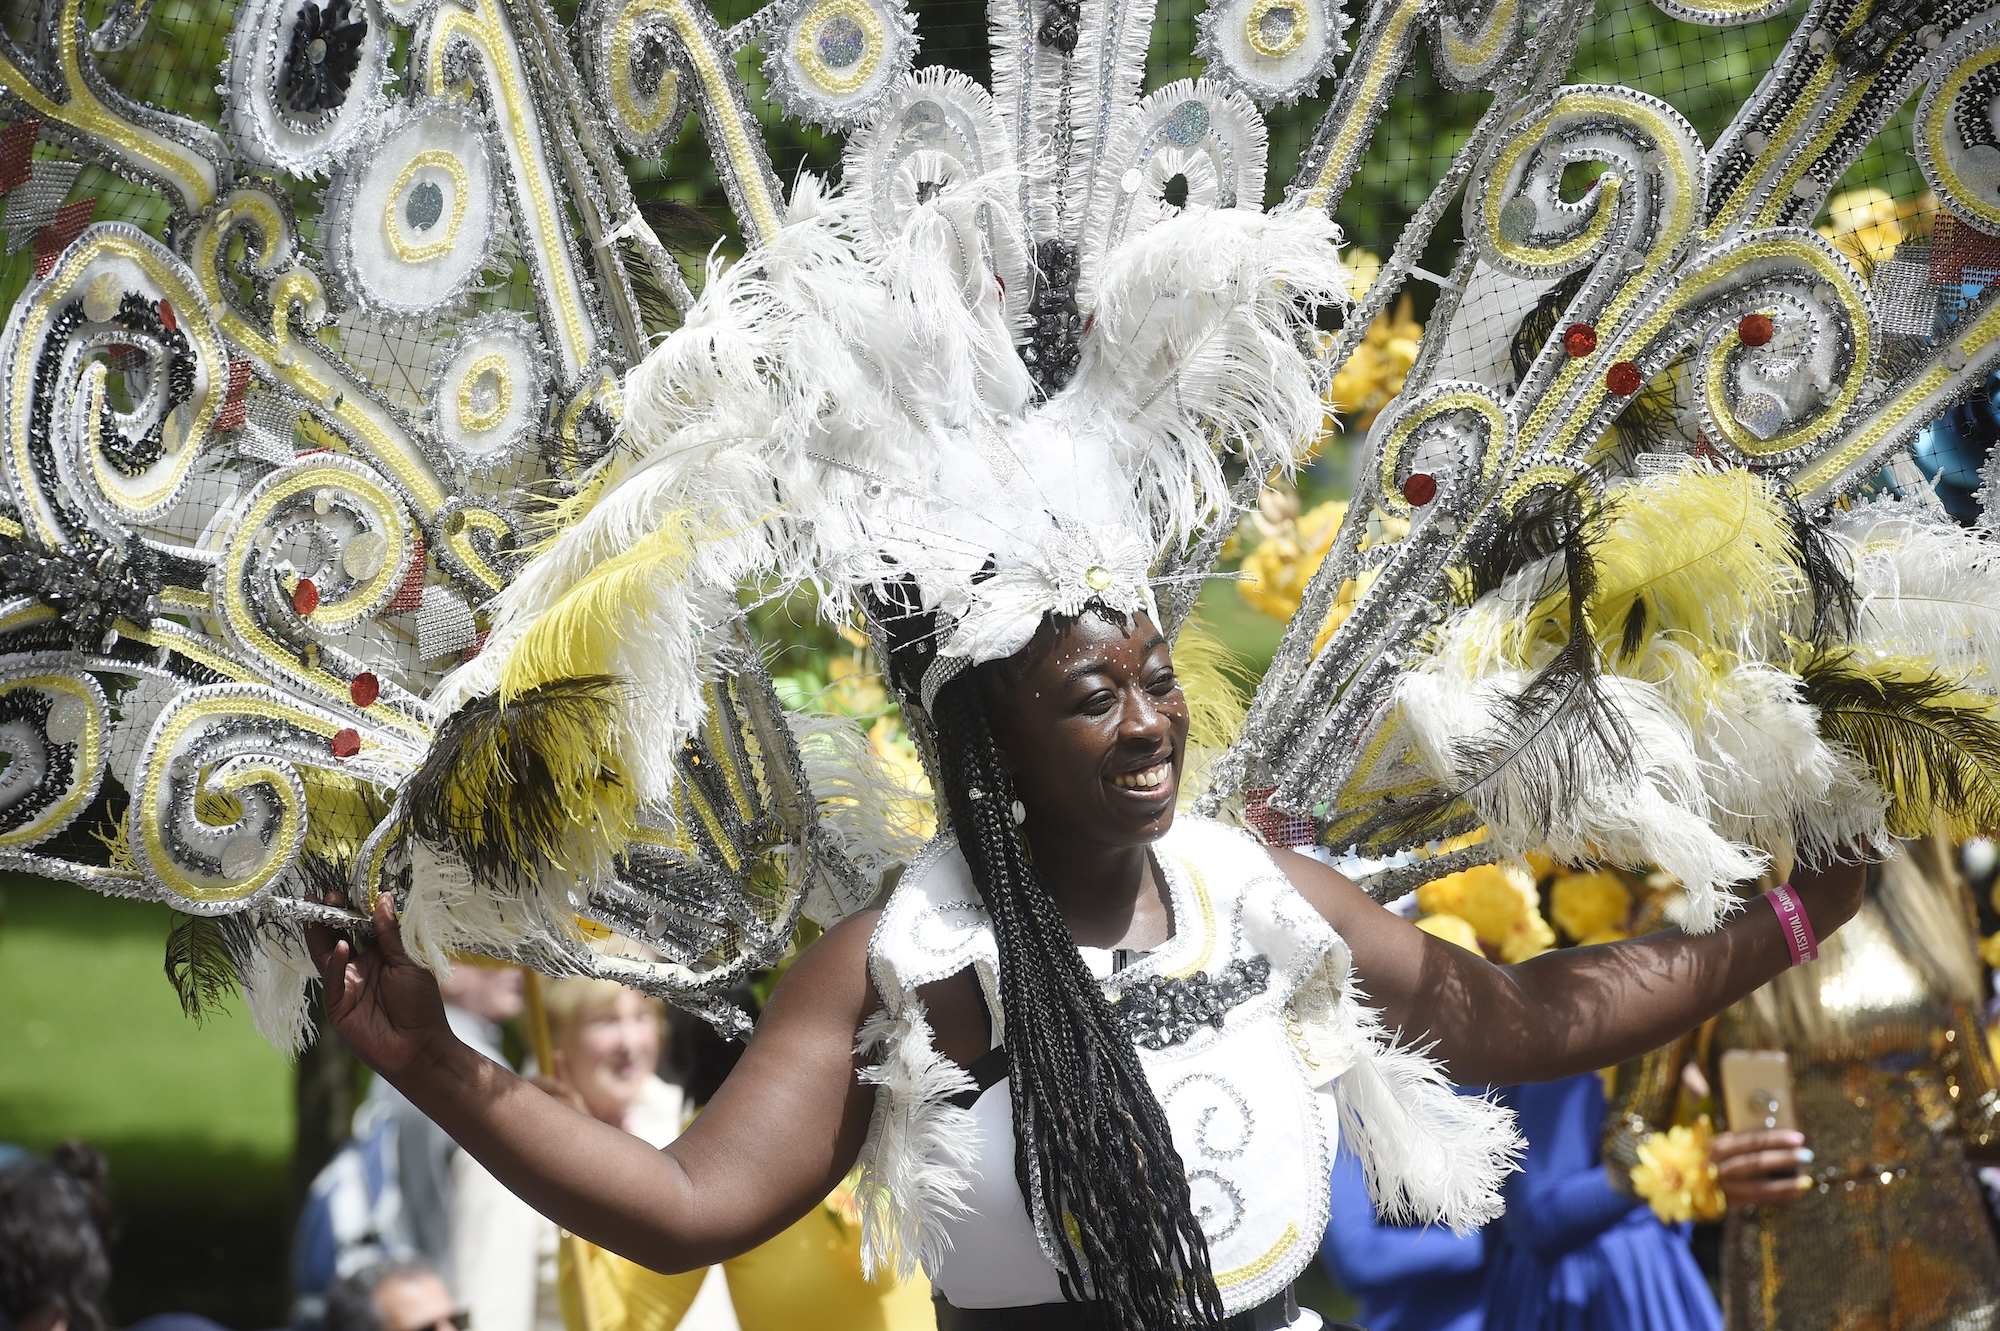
1176,1010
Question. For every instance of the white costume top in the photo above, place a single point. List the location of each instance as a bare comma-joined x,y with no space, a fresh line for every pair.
1256,1105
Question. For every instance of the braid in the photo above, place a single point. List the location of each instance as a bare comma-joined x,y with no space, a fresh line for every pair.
1090,1137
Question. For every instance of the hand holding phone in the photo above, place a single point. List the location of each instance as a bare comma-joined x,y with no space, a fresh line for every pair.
1761,1159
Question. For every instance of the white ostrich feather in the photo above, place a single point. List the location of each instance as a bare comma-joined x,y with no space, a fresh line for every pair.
1927,588
867,808
277,977
1566,789
1431,1156
915,1160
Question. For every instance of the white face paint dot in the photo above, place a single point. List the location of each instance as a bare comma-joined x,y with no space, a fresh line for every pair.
1131,180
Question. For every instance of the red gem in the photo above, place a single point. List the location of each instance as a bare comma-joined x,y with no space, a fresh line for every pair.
365,689
167,315
1579,340
1755,330
1090,321
346,743
1624,379
1421,488
305,596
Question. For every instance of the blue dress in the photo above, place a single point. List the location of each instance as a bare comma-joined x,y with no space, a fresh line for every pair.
1573,1253
1406,1279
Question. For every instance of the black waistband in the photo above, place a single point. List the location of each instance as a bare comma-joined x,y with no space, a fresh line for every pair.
1273,1314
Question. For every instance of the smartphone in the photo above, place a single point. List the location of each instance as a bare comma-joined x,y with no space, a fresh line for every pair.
1757,1090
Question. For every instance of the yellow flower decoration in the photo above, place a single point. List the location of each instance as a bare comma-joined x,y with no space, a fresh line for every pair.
1451,928
1676,1177
1443,896
1584,904
1499,902
1868,224
1374,374
1290,553
1292,548
1502,904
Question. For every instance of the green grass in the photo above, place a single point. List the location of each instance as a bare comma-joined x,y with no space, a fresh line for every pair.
196,1121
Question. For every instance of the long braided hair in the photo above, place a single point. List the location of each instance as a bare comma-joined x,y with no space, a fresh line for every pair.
1090,1138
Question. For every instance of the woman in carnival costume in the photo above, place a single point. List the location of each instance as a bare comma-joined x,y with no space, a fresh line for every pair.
1002,397
1182,1019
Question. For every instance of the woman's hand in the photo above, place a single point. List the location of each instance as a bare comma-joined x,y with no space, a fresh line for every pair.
385,1006
1761,1168
1831,893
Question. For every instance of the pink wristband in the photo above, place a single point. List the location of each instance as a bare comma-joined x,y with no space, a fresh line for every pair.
1792,918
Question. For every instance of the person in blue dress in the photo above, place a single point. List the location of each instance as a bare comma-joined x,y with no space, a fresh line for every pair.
1407,1278
1573,1253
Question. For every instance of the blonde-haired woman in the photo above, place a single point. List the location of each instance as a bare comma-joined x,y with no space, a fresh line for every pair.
607,1042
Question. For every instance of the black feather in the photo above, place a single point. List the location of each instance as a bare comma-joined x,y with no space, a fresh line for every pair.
684,230
1932,745
488,787
199,964
1634,636
1561,714
1544,521
1828,578
1539,324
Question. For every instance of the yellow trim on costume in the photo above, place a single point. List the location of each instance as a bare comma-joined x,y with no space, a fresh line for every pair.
423,251
273,776
191,174
1352,138
89,752
1251,1270
625,97
56,290
806,48
302,365
486,30
1205,921
1887,417
1465,55
22,616
713,70
1480,404
1253,28
1963,197
469,416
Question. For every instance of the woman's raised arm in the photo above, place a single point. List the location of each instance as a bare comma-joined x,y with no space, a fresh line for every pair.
782,1132
1569,1011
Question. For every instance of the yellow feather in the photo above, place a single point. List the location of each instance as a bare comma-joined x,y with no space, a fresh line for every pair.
1710,550
579,635
1212,682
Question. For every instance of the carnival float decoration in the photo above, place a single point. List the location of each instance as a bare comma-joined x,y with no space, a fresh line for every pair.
382,501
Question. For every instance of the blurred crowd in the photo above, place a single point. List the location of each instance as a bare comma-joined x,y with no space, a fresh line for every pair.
1834,1184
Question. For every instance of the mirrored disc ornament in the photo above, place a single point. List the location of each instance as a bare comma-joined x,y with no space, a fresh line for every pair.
1761,414
304,80
486,394
1274,50
833,63
412,218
